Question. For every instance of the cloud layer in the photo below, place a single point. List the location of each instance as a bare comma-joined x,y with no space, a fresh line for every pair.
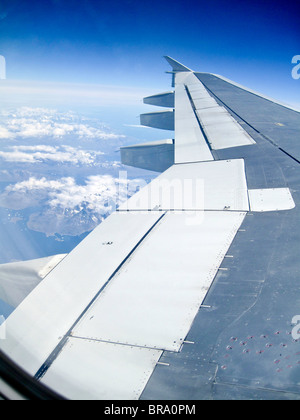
59,171
44,153
31,123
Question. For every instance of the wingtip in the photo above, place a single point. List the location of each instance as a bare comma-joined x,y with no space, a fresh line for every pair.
176,66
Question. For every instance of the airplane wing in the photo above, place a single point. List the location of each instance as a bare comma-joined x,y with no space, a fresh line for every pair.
190,290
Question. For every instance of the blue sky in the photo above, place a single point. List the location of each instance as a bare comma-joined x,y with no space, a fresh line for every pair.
122,42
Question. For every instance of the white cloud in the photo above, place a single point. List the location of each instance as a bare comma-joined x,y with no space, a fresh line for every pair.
16,156
5,133
37,184
42,153
38,147
29,122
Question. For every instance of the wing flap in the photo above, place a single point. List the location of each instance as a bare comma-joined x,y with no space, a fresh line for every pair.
221,129
215,185
41,321
148,307
190,144
271,199
153,301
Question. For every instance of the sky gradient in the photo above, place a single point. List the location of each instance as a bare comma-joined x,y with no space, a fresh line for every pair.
121,43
